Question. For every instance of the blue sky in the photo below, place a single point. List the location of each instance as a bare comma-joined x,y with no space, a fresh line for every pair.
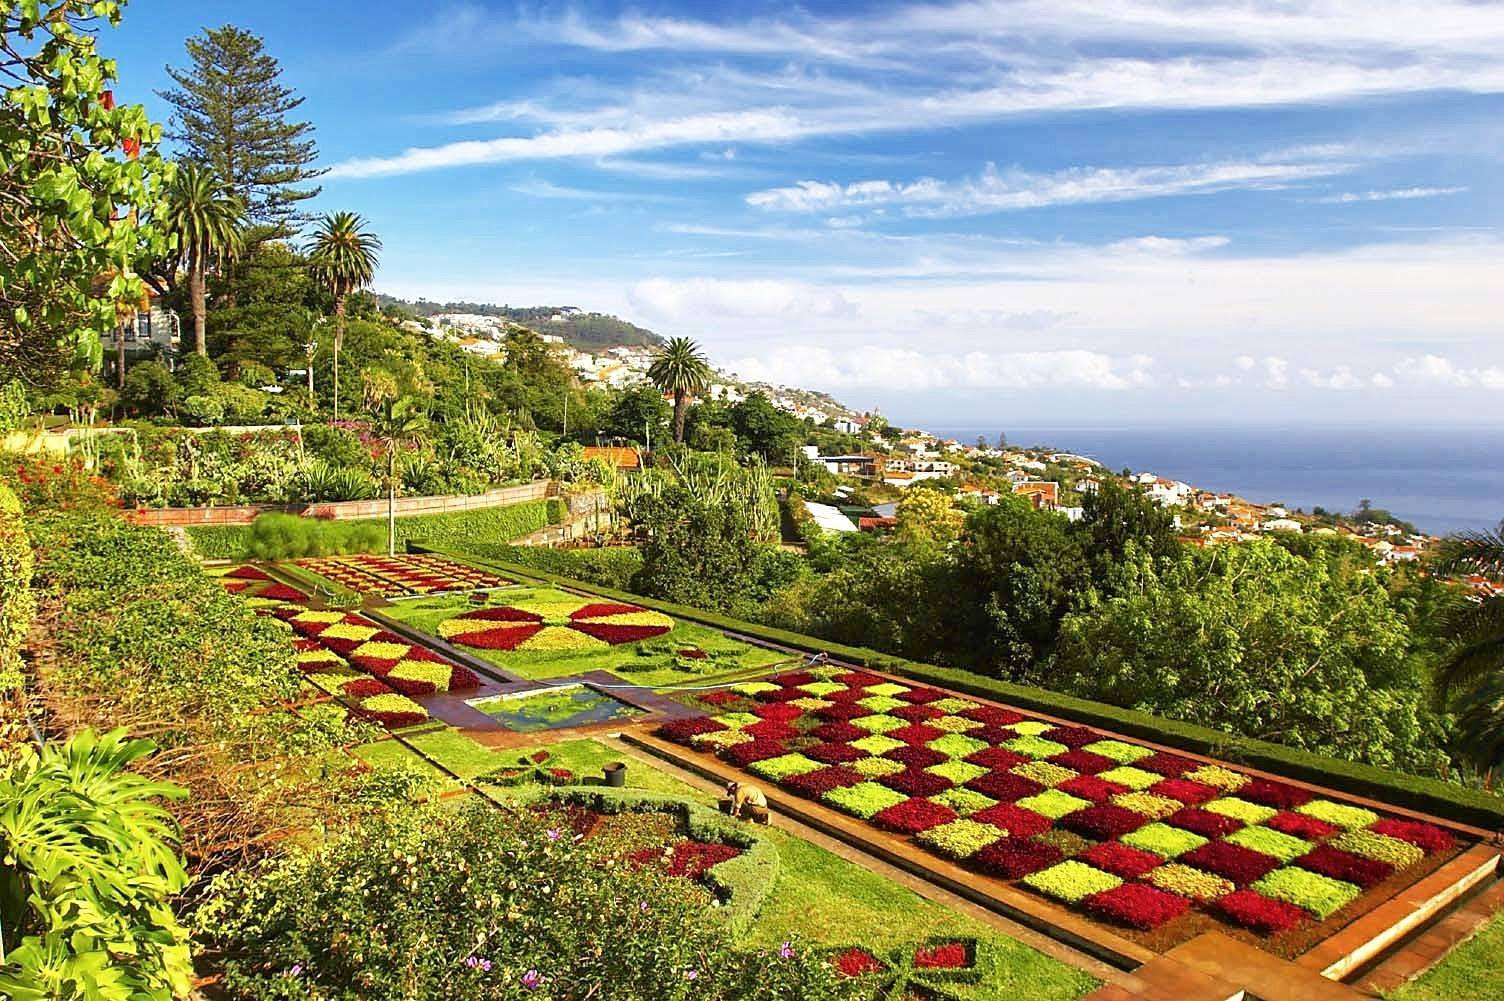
1145,211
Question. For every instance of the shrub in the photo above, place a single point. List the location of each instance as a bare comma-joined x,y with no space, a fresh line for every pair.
772,729
680,730
1035,747
1091,788
956,745
1136,905
277,536
1016,857
879,723
996,758
1148,805
956,772
915,733
1380,847
877,743
751,751
876,768
993,715
915,714
1169,765
1126,775
1184,790
864,800
1261,839
1320,895
1345,866
912,816
1208,825
1044,773
1121,752
915,757
1163,840
1005,786
954,724
1188,882
834,753
1215,775
959,839
1239,864
838,733
1071,881
1257,912
1120,860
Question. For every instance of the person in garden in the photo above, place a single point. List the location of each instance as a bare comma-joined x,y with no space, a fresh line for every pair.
747,800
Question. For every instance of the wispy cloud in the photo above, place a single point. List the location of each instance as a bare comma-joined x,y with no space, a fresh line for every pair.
909,370
1389,195
538,188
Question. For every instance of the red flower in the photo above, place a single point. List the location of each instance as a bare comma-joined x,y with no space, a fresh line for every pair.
920,696
780,711
817,783
913,816
857,962
949,956
1120,859
916,733
834,753
281,592
996,758
1301,826
1170,765
842,712
793,679
500,638
1072,736
1188,792
912,782
993,715
915,714
745,753
502,614
691,859
772,729
1104,822
619,634
461,677
915,756
781,695
1349,868
1275,794
1092,788
410,687
1258,913
601,609
839,732
721,697
1204,822
993,735
1017,821
1427,837
1234,862
858,679
362,688
680,730
1137,905
1004,786
1014,858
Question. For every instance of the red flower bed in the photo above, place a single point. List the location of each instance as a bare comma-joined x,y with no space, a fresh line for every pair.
916,733
915,756
248,573
842,712
1017,821
915,714
1275,794
948,956
1092,788
857,962
281,592
1136,905
1188,792
392,719
744,754
1004,786
1427,837
1169,765
997,758
920,696
1104,822
1349,868
913,782
461,677
993,735
792,679
849,695
817,783
839,732
1014,858
235,586
1301,826
691,859
993,716
780,695
1072,736
913,816
858,679
1120,859
1204,822
721,697
410,687
500,638
503,614
616,634
1257,912
680,730
307,646
1084,762
340,645
362,688
771,729
603,608
1234,862
834,753
781,711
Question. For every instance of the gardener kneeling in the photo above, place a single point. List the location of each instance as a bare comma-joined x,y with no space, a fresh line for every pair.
747,802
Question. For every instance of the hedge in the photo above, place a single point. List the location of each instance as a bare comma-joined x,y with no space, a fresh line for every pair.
742,883
485,525
1427,795
16,601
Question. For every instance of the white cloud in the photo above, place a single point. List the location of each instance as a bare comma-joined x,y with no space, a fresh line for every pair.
1276,372
1390,195
1005,191
1245,363
905,369
1435,370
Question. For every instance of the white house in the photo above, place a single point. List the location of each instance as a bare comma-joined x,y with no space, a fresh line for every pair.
829,519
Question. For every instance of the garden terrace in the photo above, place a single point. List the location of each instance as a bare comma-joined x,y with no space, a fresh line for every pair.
400,576
1113,839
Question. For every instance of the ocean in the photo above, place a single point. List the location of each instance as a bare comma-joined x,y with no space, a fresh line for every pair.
1442,480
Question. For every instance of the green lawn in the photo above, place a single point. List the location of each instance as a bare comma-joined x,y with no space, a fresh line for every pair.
1474,970
650,663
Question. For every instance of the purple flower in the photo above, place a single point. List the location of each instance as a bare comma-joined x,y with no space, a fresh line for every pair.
531,979
295,970
485,965
553,834
642,905
691,974
786,950
471,962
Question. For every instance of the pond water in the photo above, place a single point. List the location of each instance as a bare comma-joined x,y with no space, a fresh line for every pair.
554,708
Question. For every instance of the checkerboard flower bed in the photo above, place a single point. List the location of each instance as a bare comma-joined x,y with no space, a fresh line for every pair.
1131,836
552,628
403,575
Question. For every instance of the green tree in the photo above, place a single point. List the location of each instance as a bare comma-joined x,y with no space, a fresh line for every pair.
638,414
231,115
680,368
697,553
74,212
149,389
1254,640
398,423
91,869
928,517
343,255
763,428
203,214
1471,676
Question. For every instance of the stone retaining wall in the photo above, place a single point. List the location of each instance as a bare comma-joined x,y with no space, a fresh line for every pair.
342,510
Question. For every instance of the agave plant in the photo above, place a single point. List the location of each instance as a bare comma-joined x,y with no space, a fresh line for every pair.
91,863
324,481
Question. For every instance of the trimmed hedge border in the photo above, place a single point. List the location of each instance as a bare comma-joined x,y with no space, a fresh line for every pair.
1426,795
742,883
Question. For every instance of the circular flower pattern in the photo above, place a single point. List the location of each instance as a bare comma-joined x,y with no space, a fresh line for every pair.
554,627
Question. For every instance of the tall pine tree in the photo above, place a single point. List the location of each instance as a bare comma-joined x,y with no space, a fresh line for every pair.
232,116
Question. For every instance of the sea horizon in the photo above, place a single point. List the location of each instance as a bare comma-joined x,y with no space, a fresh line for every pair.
1442,478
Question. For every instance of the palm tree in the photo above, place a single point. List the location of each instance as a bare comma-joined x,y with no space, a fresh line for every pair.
680,368
205,215
1473,673
397,423
343,255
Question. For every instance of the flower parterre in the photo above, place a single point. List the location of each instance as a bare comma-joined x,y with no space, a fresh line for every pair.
1129,835
398,576
553,627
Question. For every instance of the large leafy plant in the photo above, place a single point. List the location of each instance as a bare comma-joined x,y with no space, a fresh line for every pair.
89,867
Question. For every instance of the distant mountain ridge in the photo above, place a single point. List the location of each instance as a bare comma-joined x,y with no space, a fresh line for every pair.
578,328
